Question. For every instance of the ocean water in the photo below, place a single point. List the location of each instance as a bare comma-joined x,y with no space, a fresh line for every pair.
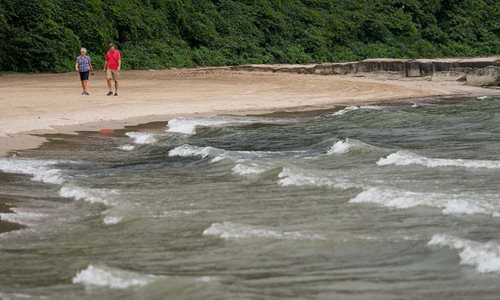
370,202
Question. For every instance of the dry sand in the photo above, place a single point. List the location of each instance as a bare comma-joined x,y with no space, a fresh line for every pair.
52,102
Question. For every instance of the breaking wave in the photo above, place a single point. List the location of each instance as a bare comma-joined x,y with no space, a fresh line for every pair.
143,138
104,196
191,151
111,277
344,146
485,257
450,204
249,168
292,177
185,125
217,154
404,158
188,125
40,170
353,107
24,217
229,230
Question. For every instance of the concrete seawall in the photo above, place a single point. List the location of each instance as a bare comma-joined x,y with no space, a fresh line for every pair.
447,69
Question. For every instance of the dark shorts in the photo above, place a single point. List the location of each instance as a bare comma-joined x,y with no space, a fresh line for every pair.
84,75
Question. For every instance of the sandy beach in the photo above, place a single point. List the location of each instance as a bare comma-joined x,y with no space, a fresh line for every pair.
43,103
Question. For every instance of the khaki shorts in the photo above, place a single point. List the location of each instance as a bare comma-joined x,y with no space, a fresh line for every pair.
113,74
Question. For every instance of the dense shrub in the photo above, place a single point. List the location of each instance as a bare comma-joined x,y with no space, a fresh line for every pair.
45,35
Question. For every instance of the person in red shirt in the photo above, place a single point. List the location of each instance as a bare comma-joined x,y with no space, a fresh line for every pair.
112,66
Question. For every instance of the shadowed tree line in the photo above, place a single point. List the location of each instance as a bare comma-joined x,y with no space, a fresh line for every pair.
45,35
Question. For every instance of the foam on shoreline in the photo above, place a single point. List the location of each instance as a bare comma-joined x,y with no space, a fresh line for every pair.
40,170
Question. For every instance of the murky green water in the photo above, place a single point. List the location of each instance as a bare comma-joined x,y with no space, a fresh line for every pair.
399,202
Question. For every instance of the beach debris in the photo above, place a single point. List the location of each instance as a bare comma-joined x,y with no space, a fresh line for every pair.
106,131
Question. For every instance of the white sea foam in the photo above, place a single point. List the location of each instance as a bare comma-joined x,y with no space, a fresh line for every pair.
341,147
143,138
40,170
188,125
450,204
248,168
228,230
404,158
397,199
113,278
345,110
485,257
352,108
112,220
23,216
293,177
190,151
126,147
104,196
217,154
483,97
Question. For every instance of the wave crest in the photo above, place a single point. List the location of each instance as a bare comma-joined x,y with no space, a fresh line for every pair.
104,196
353,108
404,158
249,168
229,230
188,125
40,170
450,204
344,146
190,151
142,138
292,177
111,277
485,257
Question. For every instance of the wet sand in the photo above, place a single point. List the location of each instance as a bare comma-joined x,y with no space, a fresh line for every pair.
51,103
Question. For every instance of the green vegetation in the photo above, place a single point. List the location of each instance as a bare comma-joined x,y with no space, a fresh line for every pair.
45,35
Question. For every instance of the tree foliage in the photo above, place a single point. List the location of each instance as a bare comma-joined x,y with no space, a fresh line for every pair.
45,35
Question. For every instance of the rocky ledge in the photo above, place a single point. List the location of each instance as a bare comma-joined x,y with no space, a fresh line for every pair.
477,71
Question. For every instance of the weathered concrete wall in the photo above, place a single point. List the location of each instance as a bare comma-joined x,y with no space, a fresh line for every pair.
452,69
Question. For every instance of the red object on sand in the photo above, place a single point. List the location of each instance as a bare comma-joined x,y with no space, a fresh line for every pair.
106,131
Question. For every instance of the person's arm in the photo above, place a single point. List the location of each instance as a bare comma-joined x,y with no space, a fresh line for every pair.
77,66
91,67
119,61
105,62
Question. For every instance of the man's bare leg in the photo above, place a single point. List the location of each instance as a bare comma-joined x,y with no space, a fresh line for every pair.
109,85
83,85
116,87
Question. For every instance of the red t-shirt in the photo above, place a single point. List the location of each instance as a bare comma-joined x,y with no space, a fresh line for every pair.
112,57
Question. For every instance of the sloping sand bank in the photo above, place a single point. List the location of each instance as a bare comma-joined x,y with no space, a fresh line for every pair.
52,102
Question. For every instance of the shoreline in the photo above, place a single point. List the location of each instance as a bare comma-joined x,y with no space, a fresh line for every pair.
51,103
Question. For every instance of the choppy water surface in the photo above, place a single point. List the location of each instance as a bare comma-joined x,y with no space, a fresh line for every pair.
372,202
